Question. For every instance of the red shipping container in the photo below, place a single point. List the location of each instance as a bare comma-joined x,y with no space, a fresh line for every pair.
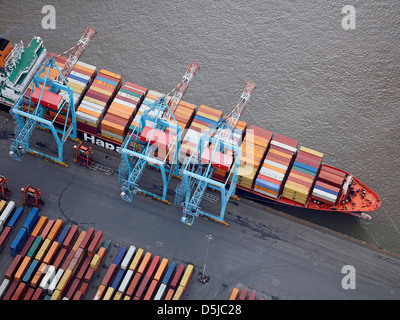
89,274
299,181
130,84
95,243
278,159
308,161
243,294
285,151
309,156
47,229
29,294
150,291
4,234
88,237
11,290
97,96
220,160
334,171
98,85
330,178
84,267
72,288
49,99
70,238
109,275
27,245
84,287
260,176
68,259
133,284
60,257
177,276
78,295
286,140
252,295
142,287
153,266
264,133
38,294
19,291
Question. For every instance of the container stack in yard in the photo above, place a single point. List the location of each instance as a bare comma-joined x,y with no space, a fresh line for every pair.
142,276
302,175
51,260
276,166
96,100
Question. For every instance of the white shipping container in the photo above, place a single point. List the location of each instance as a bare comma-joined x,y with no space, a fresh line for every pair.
160,293
272,174
86,65
55,281
81,75
284,146
128,257
7,211
48,277
125,95
276,164
324,195
125,281
125,103
93,105
3,287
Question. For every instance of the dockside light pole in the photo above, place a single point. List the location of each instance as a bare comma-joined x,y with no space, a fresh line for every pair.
203,277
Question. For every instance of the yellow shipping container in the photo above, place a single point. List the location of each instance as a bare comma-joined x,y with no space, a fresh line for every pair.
136,260
61,285
95,262
56,295
313,152
2,205
43,250
118,296
109,293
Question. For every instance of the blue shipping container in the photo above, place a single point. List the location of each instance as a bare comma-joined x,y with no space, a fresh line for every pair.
15,217
32,219
18,242
31,271
117,279
169,273
63,234
120,256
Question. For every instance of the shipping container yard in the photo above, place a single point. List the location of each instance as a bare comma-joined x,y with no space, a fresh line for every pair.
81,241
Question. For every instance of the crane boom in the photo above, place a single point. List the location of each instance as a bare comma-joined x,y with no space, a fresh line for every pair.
234,116
76,53
180,89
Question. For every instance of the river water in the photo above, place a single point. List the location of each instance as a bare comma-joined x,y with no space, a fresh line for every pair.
335,90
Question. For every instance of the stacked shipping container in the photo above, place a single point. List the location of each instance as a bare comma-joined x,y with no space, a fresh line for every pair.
204,118
302,175
142,276
43,265
96,100
254,147
121,111
275,166
328,185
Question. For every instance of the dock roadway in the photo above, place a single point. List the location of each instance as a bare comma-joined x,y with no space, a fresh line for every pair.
261,249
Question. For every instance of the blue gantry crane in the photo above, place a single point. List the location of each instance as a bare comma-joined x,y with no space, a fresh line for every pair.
155,141
216,148
46,93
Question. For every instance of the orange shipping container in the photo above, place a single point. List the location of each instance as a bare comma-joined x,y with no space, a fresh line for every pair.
55,229
39,226
51,253
22,268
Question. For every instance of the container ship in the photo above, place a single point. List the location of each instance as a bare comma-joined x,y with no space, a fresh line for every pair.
273,167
